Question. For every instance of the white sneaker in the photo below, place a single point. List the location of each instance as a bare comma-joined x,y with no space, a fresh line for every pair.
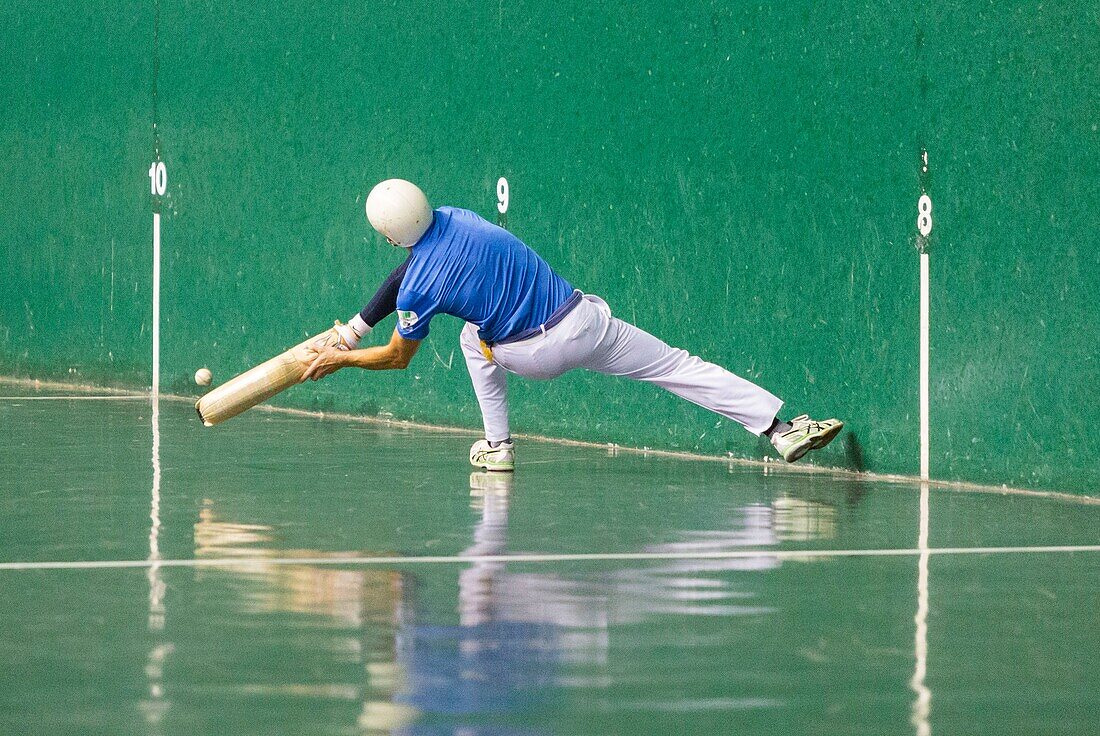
804,435
499,458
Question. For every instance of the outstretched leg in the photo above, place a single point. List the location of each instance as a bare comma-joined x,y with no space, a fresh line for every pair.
626,350
490,384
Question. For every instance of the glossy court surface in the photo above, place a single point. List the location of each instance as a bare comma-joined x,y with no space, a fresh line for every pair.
237,588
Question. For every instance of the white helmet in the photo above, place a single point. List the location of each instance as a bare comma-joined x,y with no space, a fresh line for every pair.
400,211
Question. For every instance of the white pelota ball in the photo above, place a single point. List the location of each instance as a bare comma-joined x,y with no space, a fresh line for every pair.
203,376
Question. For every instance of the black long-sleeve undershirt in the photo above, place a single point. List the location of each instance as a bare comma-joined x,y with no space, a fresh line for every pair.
384,301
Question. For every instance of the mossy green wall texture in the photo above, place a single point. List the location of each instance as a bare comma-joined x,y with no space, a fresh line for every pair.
740,179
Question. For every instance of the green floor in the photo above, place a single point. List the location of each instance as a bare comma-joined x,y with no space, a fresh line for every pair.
259,637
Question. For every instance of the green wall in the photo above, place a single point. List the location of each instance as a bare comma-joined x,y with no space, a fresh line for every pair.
741,181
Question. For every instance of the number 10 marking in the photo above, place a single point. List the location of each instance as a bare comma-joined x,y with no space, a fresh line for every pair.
158,178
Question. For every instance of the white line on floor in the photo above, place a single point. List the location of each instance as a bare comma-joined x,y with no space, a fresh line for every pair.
779,554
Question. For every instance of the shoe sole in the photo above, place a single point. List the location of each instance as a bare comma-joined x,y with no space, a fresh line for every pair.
815,442
827,436
495,468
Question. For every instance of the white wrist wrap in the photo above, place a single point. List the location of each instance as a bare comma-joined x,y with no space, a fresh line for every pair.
361,328
349,340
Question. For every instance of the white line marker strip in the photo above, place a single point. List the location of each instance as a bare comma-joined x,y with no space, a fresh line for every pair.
144,397
924,374
156,303
779,554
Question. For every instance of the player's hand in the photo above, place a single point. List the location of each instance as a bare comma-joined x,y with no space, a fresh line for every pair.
322,361
347,335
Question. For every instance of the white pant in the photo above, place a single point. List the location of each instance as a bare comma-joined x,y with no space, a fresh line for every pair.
589,337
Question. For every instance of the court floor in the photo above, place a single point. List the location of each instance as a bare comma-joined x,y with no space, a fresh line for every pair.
287,574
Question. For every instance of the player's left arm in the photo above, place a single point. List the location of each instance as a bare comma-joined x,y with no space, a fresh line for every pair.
395,355
381,305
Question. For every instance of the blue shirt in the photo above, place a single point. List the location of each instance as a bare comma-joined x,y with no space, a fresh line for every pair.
469,268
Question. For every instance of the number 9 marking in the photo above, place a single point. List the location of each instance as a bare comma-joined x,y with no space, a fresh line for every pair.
502,195
924,215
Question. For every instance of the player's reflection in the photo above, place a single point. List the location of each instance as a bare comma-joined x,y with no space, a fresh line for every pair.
490,494
493,660
520,634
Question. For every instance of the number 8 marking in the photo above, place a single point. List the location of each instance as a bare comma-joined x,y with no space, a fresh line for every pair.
924,215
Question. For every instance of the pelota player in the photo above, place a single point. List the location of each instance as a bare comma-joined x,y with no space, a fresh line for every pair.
523,318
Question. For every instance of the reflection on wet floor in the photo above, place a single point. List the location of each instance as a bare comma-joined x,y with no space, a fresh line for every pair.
519,635
760,643
350,598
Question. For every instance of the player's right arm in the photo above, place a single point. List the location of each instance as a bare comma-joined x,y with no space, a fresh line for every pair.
414,314
395,355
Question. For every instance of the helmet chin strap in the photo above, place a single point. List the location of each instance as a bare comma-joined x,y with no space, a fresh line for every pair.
398,245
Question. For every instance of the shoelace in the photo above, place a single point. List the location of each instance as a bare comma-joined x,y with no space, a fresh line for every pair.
804,424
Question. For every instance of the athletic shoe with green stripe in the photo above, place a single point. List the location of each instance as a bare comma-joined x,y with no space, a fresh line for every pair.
499,458
804,435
